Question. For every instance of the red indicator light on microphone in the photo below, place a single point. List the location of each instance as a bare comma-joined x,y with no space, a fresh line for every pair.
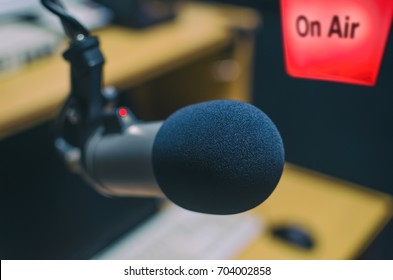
335,40
123,112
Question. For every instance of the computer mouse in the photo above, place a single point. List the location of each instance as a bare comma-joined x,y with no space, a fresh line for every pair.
294,235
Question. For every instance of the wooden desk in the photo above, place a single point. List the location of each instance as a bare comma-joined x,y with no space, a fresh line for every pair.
343,218
35,93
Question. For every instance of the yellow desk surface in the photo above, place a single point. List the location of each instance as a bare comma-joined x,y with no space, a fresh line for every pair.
343,218
36,92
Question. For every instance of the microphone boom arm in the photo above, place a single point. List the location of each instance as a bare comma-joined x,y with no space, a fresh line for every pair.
83,109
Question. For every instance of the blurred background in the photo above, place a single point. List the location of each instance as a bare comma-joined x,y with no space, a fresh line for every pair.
161,56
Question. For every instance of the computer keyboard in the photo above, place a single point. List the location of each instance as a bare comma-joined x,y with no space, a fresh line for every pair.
23,42
25,37
175,233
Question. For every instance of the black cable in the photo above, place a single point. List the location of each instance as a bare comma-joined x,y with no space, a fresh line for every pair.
72,27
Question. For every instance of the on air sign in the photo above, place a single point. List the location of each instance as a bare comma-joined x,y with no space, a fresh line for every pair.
335,40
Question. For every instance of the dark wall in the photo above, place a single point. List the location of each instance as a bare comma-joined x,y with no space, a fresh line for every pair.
339,129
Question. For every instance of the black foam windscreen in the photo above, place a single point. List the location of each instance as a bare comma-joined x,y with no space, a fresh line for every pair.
218,157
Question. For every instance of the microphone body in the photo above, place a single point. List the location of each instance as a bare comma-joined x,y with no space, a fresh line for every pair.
216,157
120,164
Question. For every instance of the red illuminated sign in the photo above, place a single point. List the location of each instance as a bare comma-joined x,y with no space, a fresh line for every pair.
335,40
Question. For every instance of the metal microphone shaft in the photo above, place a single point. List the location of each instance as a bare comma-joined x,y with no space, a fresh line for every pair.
121,163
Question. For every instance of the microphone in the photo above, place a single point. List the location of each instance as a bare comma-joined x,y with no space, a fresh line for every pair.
215,157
